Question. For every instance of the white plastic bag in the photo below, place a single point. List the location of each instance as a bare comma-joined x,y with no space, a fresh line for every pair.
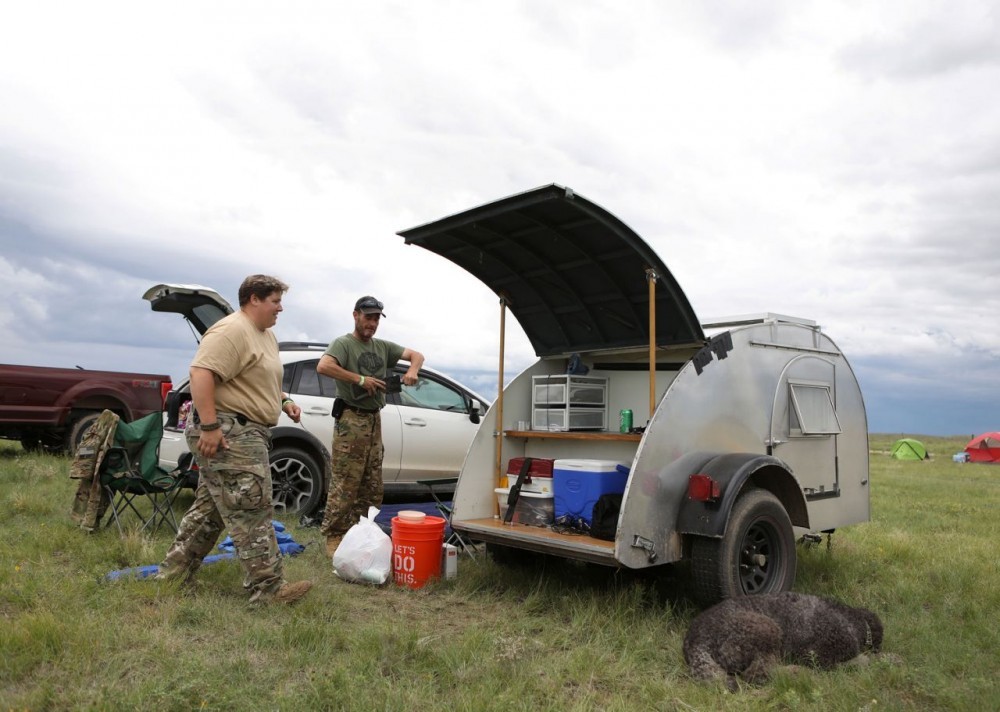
365,552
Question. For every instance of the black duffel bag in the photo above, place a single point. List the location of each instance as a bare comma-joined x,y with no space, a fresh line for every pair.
604,521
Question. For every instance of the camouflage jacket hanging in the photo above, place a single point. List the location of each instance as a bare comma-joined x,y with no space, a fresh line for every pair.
92,500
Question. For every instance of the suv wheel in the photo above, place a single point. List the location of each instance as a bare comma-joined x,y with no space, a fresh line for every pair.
296,482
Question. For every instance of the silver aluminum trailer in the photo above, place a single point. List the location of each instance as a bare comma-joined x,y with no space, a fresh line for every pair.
754,426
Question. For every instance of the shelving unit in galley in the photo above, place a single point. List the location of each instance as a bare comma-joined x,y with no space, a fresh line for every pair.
562,403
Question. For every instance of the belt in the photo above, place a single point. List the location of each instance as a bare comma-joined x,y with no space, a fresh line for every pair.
363,411
238,417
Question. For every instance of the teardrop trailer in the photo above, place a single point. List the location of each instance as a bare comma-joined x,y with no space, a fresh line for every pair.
755,426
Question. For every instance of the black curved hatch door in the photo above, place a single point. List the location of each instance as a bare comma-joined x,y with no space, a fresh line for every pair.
573,274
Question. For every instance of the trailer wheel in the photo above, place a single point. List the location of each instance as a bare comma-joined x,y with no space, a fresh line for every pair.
756,555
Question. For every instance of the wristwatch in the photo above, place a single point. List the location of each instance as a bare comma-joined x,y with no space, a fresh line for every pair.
211,426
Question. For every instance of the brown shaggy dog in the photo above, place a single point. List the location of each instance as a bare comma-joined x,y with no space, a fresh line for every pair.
745,637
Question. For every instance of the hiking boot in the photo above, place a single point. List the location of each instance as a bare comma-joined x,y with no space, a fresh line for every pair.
184,578
291,592
332,542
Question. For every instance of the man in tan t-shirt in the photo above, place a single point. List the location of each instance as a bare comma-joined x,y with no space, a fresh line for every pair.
236,389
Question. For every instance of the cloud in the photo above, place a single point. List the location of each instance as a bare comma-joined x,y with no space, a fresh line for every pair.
928,40
835,162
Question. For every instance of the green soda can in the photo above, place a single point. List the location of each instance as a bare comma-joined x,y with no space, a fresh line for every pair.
625,421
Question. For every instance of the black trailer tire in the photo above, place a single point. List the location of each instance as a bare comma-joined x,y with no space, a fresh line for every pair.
510,556
77,427
756,555
503,555
297,482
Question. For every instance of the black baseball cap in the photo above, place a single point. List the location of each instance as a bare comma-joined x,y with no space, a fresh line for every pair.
368,305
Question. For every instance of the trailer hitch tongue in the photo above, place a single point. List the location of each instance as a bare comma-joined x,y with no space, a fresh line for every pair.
640,542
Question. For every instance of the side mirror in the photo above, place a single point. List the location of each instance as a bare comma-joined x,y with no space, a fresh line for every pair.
473,408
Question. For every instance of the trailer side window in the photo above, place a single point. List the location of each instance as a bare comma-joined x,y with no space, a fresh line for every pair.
812,411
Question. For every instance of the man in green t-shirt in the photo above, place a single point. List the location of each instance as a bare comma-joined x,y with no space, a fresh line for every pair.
359,362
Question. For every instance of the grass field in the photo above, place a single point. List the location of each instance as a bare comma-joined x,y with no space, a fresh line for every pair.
549,635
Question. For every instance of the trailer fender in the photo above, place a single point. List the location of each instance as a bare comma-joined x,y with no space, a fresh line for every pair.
732,472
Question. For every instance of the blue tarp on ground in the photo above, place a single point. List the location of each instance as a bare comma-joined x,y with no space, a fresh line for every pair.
287,545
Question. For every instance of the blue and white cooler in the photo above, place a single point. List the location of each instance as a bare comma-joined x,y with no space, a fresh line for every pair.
578,484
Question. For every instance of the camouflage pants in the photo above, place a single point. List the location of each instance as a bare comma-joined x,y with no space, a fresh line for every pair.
356,475
234,492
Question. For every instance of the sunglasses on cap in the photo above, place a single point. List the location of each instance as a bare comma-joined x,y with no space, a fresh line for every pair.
369,305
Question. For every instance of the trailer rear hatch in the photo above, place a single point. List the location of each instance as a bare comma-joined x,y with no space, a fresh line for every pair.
573,275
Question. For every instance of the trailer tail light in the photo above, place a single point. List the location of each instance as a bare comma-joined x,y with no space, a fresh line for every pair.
165,388
703,488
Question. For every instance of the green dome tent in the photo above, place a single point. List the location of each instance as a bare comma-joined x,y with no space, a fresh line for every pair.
908,449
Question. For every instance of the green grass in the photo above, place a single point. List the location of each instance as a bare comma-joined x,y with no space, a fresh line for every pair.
548,635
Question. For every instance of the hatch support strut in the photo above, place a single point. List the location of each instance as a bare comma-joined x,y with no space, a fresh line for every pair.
498,433
651,278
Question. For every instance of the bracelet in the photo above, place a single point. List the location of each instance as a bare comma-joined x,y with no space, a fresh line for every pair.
211,426
361,382
286,401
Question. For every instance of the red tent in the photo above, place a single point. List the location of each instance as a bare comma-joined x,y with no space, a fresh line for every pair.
984,448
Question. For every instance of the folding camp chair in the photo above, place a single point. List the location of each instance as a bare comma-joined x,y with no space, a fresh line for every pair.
130,473
455,538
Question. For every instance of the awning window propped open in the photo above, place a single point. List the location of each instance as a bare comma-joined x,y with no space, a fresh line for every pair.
573,274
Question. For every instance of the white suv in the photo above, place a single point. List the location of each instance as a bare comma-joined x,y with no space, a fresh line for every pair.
426,428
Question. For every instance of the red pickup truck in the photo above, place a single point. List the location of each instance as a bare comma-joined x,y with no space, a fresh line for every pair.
51,408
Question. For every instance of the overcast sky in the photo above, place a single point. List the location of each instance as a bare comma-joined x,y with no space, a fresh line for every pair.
833,161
